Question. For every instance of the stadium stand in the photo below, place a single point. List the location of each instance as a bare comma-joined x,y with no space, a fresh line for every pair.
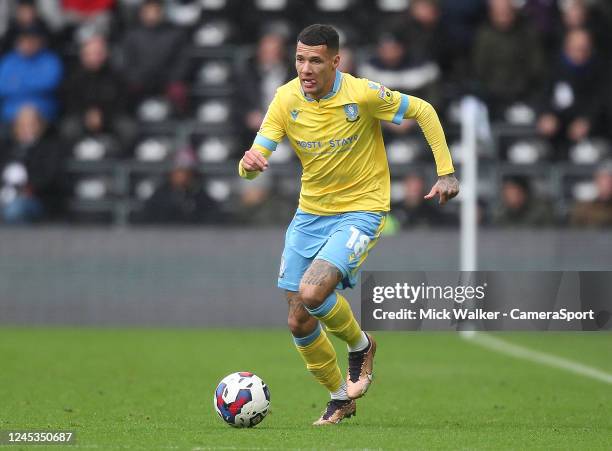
143,80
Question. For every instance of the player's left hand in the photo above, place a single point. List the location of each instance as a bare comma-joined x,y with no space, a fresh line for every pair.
447,187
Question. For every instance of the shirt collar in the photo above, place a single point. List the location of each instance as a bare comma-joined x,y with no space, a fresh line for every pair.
330,94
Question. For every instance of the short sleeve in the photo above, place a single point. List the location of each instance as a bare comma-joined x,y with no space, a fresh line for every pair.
272,130
385,104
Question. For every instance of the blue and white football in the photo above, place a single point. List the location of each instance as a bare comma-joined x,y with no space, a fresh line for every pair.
242,399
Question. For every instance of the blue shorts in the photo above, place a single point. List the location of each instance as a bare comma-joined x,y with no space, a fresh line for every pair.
343,240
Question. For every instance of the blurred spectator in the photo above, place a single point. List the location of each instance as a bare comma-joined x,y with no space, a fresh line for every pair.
283,16
25,16
519,207
80,17
544,16
598,212
394,67
4,18
259,205
153,57
93,96
425,37
577,14
184,13
508,63
182,199
347,61
30,166
573,103
262,74
29,74
355,20
414,211
460,20
87,8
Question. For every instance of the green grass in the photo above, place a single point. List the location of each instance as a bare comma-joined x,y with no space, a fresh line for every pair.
152,389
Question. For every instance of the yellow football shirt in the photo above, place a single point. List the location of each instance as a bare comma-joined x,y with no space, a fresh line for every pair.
339,142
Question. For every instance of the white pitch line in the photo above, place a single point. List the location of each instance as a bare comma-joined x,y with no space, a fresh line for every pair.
499,345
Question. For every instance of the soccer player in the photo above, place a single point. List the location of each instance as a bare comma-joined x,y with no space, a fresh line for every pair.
332,121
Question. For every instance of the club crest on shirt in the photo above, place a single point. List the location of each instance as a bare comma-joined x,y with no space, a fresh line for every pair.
294,114
352,112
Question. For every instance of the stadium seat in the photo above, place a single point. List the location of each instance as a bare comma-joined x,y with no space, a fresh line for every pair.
282,154
584,191
226,10
527,151
214,73
212,34
271,5
154,110
392,6
153,149
520,114
214,149
575,183
213,5
219,189
397,191
589,151
92,188
185,13
402,151
144,188
90,149
214,111
265,16
333,5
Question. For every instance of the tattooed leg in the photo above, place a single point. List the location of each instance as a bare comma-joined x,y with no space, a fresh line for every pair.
314,346
318,283
300,322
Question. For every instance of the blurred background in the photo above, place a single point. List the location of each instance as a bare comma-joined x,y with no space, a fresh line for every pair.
122,122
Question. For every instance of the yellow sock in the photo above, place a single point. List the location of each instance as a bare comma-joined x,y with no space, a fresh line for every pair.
336,314
320,357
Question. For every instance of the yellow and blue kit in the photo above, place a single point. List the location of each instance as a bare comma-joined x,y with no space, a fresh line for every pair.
345,191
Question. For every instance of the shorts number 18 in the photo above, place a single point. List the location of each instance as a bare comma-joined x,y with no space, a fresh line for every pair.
358,241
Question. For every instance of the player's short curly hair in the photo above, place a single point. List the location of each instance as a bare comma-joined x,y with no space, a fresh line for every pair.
319,34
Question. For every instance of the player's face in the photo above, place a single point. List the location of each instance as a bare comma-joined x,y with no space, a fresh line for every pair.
316,69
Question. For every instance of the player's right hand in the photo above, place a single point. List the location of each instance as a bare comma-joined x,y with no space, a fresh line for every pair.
253,160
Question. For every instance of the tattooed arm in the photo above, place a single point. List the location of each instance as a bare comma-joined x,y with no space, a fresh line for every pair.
447,187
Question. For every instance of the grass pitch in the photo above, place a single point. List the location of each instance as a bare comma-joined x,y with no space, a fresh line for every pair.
153,389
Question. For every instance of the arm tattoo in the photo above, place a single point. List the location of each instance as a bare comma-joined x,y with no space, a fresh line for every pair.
321,273
448,183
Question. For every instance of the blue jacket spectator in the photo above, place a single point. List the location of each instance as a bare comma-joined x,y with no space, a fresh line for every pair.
29,75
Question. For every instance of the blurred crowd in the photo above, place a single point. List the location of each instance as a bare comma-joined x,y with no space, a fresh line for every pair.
106,81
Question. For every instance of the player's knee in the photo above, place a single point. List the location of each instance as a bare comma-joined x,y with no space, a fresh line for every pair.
295,325
300,323
312,296
298,318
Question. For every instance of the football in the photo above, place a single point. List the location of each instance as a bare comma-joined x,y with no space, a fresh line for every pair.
242,399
